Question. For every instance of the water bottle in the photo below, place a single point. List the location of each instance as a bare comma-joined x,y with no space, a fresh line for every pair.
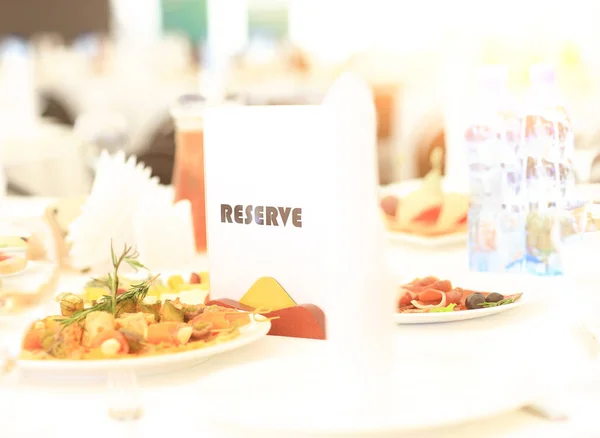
511,219
485,139
548,148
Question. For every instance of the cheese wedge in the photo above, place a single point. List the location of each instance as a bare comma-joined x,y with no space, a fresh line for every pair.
267,293
455,208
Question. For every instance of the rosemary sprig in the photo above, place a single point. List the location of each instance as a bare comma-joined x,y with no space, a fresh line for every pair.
79,316
138,291
129,256
502,302
109,303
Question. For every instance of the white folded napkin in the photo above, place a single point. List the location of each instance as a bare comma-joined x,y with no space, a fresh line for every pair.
108,213
165,235
128,207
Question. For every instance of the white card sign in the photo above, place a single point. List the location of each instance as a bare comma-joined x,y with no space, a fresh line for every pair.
267,171
292,194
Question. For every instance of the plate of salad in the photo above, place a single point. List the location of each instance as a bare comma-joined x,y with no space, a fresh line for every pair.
433,300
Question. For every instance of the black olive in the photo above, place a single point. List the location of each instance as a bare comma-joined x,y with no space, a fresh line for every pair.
473,301
494,297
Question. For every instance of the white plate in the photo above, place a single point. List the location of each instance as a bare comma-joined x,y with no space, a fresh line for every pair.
30,280
506,284
14,250
402,189
11,227
99,369
37,273
461,315
28,269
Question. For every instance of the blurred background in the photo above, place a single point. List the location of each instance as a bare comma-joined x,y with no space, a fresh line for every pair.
79,76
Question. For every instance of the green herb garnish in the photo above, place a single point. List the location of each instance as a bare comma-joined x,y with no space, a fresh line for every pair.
109,303
449,308
502,302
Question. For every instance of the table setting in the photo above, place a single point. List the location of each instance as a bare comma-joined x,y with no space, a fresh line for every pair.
280,305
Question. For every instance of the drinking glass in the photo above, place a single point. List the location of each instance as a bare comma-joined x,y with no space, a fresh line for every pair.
26,297
188,171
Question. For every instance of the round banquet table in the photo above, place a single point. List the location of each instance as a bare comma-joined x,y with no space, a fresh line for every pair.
170,401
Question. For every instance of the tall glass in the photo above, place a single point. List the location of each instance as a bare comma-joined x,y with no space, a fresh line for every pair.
188,171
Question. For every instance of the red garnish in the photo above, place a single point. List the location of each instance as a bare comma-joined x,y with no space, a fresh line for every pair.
430,215
431,296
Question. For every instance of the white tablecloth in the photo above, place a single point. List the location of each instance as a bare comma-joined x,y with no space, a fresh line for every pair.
172,407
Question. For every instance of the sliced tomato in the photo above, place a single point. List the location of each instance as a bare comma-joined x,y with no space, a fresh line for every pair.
429,215
111,334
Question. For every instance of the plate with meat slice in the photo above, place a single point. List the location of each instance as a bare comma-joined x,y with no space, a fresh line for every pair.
433,300
428,212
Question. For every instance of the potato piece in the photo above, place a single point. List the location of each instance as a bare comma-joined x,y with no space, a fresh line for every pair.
135,322
150,305
70,303
126,306
148,317
95,323
172,311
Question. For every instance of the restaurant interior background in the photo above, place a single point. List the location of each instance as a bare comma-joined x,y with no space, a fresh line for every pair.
77,77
